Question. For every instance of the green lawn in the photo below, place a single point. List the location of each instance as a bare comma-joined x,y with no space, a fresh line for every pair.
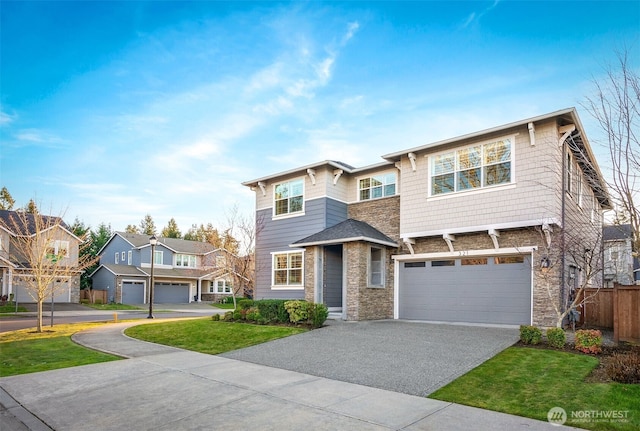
11,308
27,351
207,336
224,306
528,382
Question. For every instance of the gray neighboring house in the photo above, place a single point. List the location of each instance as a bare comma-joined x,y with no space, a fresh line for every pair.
184,271
620,265
466,229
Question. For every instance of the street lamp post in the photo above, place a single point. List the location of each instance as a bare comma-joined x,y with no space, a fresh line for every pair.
153,241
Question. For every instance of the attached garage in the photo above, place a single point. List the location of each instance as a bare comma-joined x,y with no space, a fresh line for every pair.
495,290
133,292
171,293
61,294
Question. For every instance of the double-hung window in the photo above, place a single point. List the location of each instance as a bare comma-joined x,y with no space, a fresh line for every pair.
157,257
377,186
223,286
475,167
289,197
287,270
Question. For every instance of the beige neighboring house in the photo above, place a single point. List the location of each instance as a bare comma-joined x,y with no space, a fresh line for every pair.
619,261
484,228
62,243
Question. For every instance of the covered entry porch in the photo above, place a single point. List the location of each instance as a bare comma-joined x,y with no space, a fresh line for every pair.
348,268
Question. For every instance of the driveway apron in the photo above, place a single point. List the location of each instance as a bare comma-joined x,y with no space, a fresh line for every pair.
414,358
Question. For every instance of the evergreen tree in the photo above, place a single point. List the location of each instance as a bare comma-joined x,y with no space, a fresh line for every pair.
6,200
147,225
171,230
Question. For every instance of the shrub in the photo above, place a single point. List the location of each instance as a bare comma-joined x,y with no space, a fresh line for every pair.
589,341
84,301
215,317
624,367
273,310
298,311
239,314
318,314
556,337
245,303
253,314
229,300
228,316
530,334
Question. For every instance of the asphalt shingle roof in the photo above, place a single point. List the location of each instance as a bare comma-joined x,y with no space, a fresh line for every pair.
614,232
347,231
178,245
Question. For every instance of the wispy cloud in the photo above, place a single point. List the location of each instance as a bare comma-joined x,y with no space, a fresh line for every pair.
6,118
38,137
474,17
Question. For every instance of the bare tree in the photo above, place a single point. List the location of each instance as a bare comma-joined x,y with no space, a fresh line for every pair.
580,260
243,230
616,107
42,247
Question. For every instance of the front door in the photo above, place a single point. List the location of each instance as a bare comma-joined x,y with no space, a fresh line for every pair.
333,274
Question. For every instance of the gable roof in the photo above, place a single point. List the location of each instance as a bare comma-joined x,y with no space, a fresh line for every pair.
617,232
349,230
174,244
10,220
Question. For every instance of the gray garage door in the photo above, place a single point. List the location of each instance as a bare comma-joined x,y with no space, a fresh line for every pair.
133,292
21,294
171,293
478,290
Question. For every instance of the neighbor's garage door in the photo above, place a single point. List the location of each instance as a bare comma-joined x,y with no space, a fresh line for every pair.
61,294
133,292
171,293
478,290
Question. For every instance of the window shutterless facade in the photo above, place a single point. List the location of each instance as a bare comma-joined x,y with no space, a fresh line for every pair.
223,286
474,167
186,260
377,186
157,257
376,267
288,197
287,270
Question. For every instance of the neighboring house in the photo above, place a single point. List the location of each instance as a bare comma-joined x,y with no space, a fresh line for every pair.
618,254
184,271
469,229
62,243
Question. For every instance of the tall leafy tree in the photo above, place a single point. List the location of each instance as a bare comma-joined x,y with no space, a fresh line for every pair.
132,228
148,226
6,200
172,230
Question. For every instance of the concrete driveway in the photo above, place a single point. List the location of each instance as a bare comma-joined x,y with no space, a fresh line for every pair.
409,357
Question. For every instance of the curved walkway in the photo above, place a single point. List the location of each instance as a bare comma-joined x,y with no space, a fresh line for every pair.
164,388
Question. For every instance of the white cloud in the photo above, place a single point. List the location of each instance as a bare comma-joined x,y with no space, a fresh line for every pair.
6,118
39,137
352,28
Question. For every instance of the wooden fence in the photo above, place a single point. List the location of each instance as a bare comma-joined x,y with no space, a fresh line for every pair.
617,308
98,295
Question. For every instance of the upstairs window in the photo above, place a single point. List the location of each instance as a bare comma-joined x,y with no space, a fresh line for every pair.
377,186
475,167
289,197
186,260
158,258
57,250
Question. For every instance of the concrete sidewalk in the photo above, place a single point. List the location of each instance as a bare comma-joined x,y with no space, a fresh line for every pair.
164,388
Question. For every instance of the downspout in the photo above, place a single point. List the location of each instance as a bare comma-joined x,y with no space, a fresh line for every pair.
567,130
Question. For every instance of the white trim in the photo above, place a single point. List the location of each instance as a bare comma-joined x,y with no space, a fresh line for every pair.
383,259
482,228
479,190
288,213
465,253
275,286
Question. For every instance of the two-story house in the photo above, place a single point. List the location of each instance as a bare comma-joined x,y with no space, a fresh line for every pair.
619,262
489,227
19,231
184,271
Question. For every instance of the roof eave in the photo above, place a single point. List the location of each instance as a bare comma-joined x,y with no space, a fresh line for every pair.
343,240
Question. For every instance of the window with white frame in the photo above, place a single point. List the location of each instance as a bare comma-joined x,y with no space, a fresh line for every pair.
158,257
117,258
287,269
129,257
474,167
122,256
57,250
288,197
376,267
186,260
222,286
569,173
377,186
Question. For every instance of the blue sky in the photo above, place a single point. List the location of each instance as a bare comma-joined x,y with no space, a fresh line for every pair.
112,110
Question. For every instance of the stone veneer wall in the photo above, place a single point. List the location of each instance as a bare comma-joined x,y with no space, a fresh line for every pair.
546,283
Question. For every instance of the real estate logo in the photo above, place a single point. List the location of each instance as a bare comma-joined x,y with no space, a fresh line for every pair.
557,416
